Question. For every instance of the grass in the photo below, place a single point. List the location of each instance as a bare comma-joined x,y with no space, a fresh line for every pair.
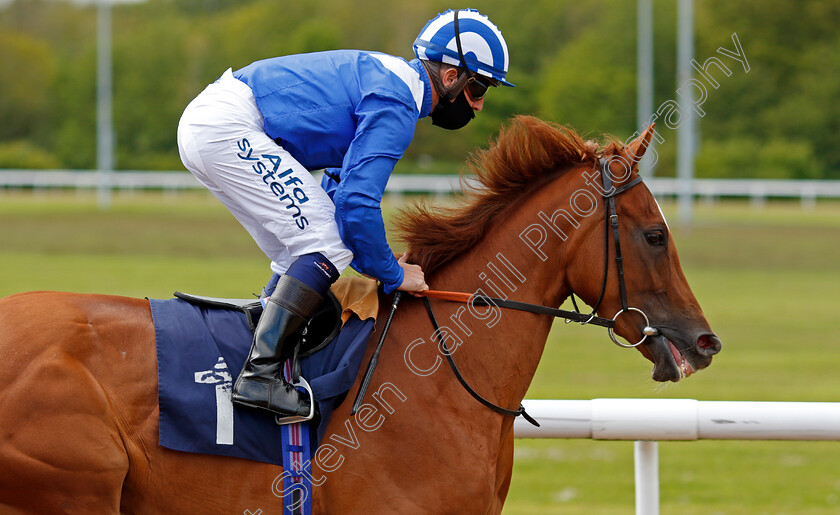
145,245
767,279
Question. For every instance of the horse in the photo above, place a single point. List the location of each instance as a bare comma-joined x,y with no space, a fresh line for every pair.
79,407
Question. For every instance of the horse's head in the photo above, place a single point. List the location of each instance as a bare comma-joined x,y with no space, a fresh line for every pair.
655,284
540,177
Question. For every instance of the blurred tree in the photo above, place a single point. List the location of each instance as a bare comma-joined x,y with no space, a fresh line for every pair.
590,83
748,158
191,8
573,62
24,87
790,91
73,131
148,70
23,154
810,109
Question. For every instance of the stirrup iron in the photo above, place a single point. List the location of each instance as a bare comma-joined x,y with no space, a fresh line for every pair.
294,419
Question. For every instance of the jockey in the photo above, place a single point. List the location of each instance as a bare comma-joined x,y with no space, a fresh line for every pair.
253,136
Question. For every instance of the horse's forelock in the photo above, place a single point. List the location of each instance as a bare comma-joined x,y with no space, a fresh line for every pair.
525,154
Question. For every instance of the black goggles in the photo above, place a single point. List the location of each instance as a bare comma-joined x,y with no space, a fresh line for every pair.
478,86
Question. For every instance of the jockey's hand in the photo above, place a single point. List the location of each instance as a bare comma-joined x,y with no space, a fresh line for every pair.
414,280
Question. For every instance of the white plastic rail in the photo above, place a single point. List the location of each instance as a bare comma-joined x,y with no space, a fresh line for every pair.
647,421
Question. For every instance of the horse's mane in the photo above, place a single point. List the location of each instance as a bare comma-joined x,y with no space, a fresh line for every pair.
526,153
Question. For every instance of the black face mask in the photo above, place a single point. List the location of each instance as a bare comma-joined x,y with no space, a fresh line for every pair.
453,115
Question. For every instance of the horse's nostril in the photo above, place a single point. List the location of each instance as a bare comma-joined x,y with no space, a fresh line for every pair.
709,343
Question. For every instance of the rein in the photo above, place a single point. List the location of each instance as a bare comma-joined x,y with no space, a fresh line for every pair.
484,300
467,387
610,221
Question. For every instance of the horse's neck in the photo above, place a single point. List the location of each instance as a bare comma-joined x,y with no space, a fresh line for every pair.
524,254
503,347
505,268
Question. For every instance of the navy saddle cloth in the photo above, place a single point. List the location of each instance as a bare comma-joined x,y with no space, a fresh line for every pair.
201,350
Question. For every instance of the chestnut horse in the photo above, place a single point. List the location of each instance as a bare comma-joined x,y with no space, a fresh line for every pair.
79,407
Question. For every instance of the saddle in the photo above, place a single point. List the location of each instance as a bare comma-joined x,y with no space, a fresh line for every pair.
313,336
348,295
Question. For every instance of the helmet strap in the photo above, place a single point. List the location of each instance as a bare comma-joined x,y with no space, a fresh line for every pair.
433,70
458,43
449,94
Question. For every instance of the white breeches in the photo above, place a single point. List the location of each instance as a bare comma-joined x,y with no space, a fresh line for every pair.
222,142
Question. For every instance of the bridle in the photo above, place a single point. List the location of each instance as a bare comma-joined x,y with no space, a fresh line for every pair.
609,193
611,220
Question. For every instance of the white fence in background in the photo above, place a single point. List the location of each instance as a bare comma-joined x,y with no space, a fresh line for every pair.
808,191
647,421
172,181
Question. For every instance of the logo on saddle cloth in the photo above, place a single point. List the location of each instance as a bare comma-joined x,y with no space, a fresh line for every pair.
220,376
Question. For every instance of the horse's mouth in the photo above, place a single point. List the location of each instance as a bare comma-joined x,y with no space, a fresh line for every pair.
669,363
682,364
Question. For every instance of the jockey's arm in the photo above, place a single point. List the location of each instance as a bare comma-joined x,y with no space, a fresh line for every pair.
385,128
359,217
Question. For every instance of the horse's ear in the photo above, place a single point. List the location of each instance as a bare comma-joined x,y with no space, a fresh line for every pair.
636,149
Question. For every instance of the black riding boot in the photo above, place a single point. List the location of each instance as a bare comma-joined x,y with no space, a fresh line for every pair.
261,383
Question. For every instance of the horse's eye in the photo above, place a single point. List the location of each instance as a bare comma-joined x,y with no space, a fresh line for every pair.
655,238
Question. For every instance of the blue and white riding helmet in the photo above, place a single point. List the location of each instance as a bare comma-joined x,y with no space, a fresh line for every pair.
481,43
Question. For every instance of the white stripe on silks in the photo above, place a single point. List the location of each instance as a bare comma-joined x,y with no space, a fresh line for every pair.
406,73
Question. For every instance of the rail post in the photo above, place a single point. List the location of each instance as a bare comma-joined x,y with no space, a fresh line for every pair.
646,454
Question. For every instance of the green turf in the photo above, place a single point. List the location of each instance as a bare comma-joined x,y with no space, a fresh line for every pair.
767,279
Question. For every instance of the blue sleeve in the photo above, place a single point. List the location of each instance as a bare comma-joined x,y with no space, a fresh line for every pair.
385,129
359,216
330,180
